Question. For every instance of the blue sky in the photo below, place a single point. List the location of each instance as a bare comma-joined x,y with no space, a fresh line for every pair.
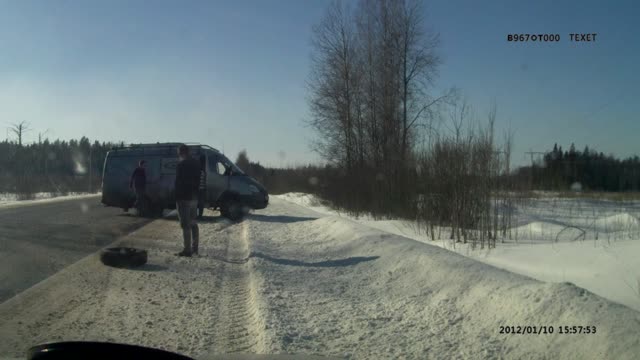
232,73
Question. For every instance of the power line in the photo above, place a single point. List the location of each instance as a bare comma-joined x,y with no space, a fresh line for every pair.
604,106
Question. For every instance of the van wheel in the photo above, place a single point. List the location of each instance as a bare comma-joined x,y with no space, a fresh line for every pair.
232,210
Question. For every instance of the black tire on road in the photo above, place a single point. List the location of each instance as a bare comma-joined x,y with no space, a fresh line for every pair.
123,257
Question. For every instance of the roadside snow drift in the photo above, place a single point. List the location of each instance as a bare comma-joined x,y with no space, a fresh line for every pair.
289,280
11,199
591,243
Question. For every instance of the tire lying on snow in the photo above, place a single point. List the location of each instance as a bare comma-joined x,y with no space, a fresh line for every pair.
123,257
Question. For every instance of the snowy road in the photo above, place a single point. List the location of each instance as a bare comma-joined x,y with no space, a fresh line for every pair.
39,238
289,280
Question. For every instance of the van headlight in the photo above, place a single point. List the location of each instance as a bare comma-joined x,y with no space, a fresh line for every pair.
253,189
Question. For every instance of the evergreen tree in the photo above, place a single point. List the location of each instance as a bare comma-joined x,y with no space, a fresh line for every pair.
591,168
242,161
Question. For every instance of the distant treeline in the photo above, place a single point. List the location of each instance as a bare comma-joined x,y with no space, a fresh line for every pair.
593,170
76,166
59,166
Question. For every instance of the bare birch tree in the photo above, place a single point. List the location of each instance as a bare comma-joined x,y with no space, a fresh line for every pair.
334,86
19,129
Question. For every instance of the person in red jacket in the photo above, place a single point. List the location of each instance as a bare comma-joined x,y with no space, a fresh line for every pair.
138,183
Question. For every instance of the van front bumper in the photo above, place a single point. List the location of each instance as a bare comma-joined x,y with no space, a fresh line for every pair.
256,201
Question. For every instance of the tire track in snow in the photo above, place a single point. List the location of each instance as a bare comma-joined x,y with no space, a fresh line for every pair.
238,326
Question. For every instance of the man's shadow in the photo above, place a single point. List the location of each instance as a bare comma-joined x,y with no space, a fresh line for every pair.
279,218
211,219
204,219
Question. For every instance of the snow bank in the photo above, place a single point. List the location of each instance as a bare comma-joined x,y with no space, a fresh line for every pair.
387,297
546,231
308,201
11,199
597,243
618,222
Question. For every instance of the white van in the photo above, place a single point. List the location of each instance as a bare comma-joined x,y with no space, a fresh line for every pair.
228,187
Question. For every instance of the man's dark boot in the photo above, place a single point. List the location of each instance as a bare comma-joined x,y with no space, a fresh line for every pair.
186,249
195,239
184,254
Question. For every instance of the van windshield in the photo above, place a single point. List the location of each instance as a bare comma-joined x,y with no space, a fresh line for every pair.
229,164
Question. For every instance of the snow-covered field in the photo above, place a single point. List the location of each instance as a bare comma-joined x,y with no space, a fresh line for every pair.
12,199
594,244
291,280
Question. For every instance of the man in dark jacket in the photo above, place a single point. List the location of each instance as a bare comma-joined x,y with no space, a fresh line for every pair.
186,193
138,183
